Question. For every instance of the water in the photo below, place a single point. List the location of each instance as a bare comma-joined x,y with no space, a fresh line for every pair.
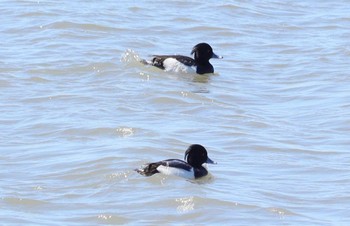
79,113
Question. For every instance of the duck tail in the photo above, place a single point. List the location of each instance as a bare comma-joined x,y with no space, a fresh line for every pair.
148,169
146,62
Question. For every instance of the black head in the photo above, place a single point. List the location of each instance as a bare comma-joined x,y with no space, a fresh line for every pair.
203,51
202,54
196,155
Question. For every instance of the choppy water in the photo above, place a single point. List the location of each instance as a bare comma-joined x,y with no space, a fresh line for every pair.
79,113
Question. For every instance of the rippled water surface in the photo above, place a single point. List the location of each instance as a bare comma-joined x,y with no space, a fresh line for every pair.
79,112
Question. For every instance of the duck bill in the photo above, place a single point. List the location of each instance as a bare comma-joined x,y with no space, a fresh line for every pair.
216,56
209,161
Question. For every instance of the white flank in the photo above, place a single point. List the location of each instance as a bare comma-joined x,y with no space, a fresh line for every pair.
175,171
171,64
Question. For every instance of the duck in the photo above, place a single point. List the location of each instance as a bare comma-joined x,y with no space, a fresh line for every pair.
196,155
202,52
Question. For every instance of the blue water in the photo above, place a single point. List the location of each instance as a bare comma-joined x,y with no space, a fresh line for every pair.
79,113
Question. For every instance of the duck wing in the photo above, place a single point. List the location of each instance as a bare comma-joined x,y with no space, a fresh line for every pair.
158,60
177,163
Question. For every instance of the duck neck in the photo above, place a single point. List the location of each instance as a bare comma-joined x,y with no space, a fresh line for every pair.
200,172
204,67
